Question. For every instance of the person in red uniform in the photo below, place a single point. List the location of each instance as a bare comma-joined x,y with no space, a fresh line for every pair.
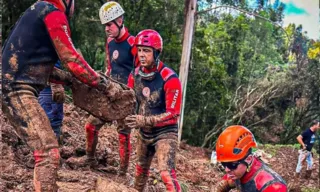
38,40
243,170
120,57
158,92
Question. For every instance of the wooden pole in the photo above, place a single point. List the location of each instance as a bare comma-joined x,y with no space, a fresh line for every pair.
186,53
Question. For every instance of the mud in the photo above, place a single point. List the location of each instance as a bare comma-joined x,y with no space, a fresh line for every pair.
72,60
58,94
8,76
61,76
154,97
194,171
36,72
103,108
11,47
13,61
166,153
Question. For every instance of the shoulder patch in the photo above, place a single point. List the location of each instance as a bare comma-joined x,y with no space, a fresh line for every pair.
166,73
131,40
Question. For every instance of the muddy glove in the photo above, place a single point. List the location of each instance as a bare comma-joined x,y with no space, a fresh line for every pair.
58,95
59,75
138,121
114,90
102,86
224,186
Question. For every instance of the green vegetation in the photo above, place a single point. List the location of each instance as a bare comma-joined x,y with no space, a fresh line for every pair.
244,70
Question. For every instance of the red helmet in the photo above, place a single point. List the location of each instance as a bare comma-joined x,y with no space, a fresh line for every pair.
149,38
234,143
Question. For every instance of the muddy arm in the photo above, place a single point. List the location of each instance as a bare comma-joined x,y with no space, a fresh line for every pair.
60,76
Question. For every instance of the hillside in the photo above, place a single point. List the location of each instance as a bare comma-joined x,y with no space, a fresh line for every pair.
194,170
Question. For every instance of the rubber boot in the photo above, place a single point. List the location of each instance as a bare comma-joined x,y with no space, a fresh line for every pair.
91,145
141,178
170,181
45,170
124,153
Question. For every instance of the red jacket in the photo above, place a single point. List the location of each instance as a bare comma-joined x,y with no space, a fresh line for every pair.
260,178
39,38
161,96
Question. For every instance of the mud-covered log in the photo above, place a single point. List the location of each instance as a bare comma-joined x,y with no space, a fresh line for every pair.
100,105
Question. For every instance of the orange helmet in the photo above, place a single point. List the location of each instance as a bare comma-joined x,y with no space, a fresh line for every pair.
234,143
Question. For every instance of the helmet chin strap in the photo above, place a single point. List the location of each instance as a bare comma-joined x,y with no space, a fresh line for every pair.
248,164
156,55
119,28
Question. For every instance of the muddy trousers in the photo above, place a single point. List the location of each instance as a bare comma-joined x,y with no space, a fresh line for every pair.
164,147
304,155
92,128
31,123
53,110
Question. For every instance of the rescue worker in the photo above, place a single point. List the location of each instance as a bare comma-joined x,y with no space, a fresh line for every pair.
51,100
120,56
307,140
244,170
39,38
158,93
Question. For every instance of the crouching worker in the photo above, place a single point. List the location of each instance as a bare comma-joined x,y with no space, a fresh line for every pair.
244,171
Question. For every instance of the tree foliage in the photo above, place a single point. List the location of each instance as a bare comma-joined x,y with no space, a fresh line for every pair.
244,69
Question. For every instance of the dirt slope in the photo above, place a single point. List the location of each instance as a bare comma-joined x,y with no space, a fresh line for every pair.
194,170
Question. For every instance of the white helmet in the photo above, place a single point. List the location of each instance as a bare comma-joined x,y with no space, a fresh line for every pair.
110,11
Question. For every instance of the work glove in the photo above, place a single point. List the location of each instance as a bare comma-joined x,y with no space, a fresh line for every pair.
139,121
224,186
102,85
115,90
111,89
58,94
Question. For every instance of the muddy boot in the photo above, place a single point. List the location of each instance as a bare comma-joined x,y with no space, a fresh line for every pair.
124,153
308,174
296,177
170,181
91,145
141,178
140,182
45,170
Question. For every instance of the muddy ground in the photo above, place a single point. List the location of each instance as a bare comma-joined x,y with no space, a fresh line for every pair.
194,171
